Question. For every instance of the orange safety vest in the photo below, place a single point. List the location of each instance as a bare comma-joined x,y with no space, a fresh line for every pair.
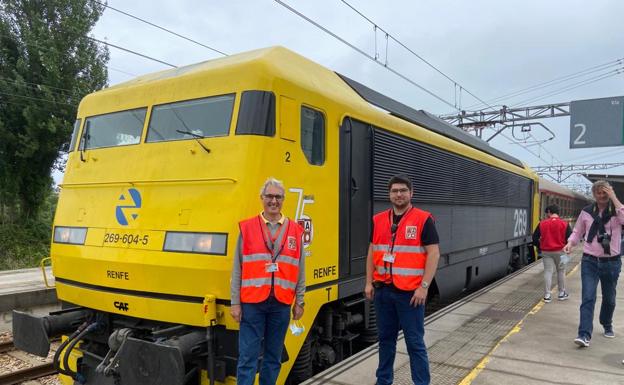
256,281
407,270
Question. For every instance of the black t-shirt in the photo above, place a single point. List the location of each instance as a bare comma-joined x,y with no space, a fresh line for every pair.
428,236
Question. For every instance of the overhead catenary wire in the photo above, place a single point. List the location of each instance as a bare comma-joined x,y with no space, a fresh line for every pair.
383,65
33,98
136,53
592,157
161,28
38,85
572,86
455,83
132,52
121,71
360,51
558,80
408,49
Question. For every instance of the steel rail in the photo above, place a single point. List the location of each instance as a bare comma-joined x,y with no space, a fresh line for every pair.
6,346
27,374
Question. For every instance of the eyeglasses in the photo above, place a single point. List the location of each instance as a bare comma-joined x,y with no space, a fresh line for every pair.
399,191
270,197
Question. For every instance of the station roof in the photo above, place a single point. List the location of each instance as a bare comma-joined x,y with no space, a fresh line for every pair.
617,181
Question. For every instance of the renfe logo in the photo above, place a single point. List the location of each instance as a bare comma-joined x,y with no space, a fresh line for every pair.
133,196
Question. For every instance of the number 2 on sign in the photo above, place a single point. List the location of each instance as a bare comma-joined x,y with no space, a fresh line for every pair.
579,139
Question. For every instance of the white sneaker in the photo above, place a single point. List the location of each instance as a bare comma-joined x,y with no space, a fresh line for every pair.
547,298
563,296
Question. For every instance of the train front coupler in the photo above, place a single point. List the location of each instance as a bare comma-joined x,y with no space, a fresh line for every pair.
32,334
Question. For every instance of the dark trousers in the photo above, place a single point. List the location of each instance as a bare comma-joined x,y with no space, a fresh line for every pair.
261,322
394,312
605,271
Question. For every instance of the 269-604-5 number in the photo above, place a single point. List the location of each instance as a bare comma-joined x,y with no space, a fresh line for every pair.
128,239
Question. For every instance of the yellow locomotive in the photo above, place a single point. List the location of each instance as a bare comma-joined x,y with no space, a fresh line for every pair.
163,167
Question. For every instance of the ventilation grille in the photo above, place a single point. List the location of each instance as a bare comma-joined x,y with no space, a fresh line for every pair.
442,177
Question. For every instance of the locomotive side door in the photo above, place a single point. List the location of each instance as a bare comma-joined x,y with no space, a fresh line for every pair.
355,196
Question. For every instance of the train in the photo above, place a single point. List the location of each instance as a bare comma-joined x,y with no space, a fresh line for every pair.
162,167
569,201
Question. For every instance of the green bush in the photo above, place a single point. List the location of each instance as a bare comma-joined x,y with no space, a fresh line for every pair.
23,245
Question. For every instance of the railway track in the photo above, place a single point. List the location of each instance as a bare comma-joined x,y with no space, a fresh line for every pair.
6,346
21,375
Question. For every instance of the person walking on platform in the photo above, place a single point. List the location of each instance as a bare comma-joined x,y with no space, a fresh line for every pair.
402,260
600,224
550,236
267,276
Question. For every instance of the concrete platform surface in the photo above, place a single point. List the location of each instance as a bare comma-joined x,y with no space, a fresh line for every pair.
504,334
25,290
15,281
540,350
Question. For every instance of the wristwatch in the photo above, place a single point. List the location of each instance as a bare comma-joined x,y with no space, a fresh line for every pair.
424,284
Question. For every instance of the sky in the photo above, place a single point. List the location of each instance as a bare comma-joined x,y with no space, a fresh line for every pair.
489,48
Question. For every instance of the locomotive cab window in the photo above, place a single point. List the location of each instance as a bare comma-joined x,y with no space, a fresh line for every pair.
313,135
200,118
256,115
74,136
116,129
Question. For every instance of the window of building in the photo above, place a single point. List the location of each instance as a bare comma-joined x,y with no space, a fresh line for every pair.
313,135
116,129
199,118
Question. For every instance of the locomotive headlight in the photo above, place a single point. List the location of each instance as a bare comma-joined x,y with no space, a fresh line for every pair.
203,243
71,235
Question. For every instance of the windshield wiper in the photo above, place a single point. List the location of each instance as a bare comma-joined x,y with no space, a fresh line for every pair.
85,140
197,138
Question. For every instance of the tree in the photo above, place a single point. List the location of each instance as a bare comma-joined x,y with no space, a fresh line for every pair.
47,64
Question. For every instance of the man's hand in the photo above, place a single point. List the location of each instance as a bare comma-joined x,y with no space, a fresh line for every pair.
297,312
236,312
419,297
369,291
567,248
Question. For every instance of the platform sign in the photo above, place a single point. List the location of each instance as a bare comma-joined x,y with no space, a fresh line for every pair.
597,122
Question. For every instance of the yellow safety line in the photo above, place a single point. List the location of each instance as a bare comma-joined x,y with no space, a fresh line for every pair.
484,361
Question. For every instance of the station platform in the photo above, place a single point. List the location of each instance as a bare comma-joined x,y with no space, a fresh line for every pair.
25,290
504,334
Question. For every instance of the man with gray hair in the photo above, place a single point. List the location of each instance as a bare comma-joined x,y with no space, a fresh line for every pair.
268,276
600,224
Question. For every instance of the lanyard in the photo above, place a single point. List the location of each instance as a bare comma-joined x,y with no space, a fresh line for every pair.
393,234
269,241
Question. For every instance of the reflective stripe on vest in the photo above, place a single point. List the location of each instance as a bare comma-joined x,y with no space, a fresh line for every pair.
257,257
409,254
286,259
400,271
399,248
256,282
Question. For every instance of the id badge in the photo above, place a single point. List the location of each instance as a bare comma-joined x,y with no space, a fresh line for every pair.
388,257
271,267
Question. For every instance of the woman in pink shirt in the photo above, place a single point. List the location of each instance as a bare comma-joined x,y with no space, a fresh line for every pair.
600,225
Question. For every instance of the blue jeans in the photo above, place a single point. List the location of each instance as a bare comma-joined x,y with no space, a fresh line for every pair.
592,271
265,321
394,311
